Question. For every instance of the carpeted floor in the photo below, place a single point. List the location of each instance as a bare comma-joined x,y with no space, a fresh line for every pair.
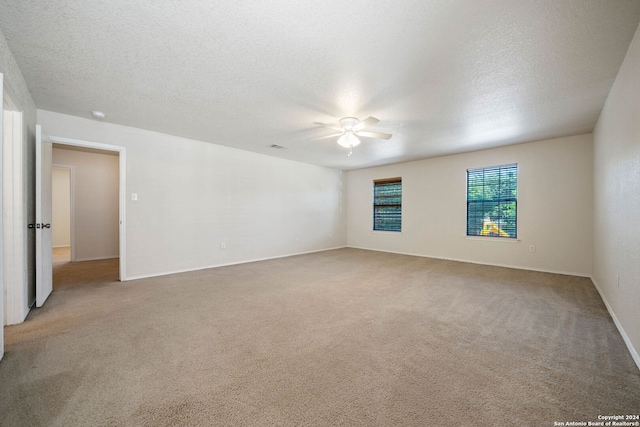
343,337
68,274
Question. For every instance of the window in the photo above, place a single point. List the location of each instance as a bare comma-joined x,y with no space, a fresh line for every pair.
492,201
387,204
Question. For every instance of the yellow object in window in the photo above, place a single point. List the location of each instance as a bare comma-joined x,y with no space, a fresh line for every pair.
490,228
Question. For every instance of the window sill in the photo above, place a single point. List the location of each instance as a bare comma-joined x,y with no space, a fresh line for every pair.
493,239
385,232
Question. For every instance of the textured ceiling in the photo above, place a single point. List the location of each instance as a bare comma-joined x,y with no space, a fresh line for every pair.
444,76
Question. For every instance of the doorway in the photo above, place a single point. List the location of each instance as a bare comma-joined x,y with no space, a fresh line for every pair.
44,160
120,153
85,216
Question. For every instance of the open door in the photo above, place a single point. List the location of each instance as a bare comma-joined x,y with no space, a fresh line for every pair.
44,282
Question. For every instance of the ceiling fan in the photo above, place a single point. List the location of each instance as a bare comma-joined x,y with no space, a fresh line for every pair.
351,128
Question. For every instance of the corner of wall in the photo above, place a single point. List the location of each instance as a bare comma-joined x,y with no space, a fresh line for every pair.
616,200
623,333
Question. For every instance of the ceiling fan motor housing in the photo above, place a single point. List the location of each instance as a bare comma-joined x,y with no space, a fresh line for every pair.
348,123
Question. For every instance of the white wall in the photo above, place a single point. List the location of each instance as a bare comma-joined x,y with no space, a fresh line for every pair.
3,287
617,199
193,196
554,207
14,84
95,195
61,206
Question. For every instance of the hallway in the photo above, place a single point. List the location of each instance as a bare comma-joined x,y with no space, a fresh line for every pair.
68,274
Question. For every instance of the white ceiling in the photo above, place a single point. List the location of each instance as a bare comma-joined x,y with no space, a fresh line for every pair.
443,76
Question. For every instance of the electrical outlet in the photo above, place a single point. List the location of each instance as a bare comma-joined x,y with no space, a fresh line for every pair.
223,245
134,196
532,248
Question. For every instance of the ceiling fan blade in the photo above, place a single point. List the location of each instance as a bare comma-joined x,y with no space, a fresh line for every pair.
369,121
330,126
374,135
330,136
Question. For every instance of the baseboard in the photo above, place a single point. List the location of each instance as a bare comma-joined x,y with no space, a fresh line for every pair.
166,273
95,259
518,267
625,337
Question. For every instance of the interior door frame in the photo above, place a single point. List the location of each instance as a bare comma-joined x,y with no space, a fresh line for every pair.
1,223
122,157
14,239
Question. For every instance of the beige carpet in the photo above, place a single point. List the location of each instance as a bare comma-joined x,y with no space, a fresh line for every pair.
344,337
68,274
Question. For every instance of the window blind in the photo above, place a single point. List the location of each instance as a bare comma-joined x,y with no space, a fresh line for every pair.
387,204
492,199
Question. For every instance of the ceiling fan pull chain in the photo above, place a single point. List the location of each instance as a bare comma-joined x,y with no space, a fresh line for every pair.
350,150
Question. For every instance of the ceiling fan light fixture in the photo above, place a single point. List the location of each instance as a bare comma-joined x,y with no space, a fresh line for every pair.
348,139
351,130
